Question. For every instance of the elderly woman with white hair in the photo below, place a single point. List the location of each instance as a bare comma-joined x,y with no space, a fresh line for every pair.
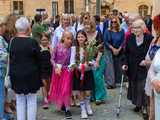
135,52
24,70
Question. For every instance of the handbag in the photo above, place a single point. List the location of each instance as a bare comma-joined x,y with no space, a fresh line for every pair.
7,80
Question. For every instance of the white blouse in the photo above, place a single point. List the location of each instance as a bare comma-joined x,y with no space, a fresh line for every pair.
155,67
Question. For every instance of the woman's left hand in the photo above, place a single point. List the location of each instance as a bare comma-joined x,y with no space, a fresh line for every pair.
156,85
97,64
116,52
142,63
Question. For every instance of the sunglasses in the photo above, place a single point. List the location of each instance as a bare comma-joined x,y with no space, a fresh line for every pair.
85,18
113,21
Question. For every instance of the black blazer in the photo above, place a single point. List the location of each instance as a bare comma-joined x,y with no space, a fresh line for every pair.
135,54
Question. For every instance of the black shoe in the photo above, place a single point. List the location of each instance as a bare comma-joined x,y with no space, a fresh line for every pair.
68,115
137,109
111,87
145,115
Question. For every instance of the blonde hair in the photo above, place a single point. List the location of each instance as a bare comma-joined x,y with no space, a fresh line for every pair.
66,16
92,24
10,26
63,35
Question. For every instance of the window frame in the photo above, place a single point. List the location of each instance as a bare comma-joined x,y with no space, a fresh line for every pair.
18,7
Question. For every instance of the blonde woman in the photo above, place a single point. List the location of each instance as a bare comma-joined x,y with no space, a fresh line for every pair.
96,52
64,26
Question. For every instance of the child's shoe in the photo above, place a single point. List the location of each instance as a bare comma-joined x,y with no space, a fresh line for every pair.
89,109
68,114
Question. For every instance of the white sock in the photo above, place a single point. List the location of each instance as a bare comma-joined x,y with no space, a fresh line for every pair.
45,99
67,109
87,100
82,105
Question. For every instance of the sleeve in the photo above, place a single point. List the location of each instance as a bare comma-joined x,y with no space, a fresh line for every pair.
54,39
106,38
99,42
3,52
125,56
53,56
123,38
73,54
156,63
147,55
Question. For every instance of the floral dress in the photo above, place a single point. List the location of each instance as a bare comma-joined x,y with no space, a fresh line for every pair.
3,66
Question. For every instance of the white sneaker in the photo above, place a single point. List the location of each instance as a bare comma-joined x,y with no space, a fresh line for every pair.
89,110
84,114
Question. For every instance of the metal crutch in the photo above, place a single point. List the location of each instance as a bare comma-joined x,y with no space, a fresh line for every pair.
120,96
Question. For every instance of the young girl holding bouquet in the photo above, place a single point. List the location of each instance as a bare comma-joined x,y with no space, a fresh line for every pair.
61,82
83,75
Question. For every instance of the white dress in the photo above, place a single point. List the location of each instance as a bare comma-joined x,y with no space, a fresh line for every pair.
155,75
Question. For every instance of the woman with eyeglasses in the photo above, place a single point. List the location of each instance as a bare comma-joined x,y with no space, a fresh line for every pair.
83,18
135,52
113,39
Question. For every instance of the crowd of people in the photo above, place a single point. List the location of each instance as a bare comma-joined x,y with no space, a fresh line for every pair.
75,59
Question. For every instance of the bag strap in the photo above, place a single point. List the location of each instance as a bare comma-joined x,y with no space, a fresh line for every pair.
8,61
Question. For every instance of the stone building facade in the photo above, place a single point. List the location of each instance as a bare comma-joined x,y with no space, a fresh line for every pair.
53,7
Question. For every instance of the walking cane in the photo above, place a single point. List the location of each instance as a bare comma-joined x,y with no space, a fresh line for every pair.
120,95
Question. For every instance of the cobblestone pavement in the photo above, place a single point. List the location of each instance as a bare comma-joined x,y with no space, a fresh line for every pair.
103,112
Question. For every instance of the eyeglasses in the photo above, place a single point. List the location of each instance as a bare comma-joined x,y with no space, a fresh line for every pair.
137,27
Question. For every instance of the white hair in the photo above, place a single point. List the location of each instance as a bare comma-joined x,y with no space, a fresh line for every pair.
139,23
22,24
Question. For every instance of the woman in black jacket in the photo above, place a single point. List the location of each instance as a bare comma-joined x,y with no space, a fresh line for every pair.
135,52
24,70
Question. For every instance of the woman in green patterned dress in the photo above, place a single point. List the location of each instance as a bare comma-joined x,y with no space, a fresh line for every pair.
95,53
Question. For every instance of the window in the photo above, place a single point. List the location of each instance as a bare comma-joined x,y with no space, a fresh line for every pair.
69,6
143,10
54,8
18,7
